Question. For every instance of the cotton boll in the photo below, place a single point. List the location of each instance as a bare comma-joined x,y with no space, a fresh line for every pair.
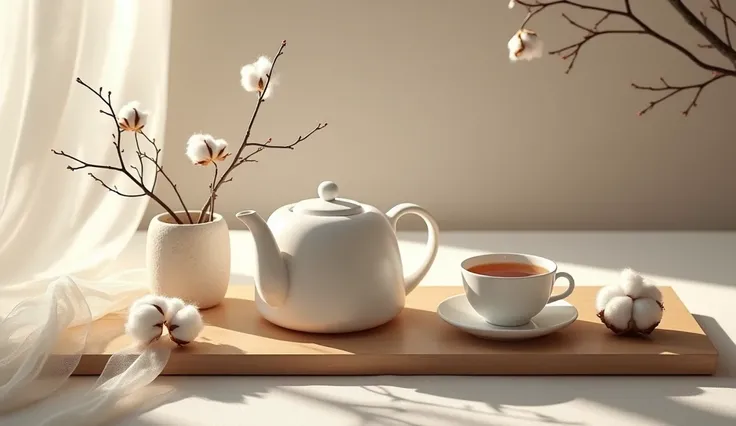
249,78
185,325
219,148
512,3
271,86
204,149
199,148
632,283
647,314
605,295
525,45
144,324
174,305
651,291
263,66
131,117
617,313
160,302
255,76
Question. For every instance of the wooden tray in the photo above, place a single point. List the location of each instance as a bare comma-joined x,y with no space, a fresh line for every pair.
237,341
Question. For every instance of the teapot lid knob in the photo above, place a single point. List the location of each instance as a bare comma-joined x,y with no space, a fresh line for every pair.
327,190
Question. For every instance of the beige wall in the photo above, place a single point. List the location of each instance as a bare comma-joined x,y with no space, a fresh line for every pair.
425,107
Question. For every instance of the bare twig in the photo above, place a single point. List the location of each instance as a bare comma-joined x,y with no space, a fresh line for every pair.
140,159
716,5
724,48
115,188
155,161
237,158
160,169
571,51
212,194
674,90
600,21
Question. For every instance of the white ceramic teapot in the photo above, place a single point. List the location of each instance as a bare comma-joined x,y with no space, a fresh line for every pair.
332,265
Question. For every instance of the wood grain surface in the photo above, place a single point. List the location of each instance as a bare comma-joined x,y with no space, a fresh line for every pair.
237,341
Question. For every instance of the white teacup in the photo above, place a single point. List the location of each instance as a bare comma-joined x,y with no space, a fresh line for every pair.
509,289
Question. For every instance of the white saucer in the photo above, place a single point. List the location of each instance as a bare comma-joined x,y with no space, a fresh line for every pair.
457,311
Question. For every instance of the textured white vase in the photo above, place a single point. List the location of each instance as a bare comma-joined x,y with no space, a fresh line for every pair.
188,261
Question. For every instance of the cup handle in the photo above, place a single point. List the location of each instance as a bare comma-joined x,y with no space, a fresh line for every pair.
570,287
430,252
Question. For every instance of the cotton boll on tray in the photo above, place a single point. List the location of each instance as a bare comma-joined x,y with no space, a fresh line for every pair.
148,316
633,306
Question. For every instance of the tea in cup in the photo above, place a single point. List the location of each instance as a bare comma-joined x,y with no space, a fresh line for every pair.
509,289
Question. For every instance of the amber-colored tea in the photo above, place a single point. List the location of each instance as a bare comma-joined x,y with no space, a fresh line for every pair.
508,269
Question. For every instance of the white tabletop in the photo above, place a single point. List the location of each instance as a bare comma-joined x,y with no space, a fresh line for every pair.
699,266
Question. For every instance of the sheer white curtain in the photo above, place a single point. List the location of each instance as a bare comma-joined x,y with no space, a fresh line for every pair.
60,230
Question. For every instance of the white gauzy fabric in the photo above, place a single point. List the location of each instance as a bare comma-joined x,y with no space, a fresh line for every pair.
59,229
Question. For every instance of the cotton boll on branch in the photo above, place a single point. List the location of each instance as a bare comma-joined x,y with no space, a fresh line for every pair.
131,117
145,323
525,45
203,149
185,325
512,3
254,77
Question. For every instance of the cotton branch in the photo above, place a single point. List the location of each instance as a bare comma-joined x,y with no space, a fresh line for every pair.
724,47
674,90
238,159
119,150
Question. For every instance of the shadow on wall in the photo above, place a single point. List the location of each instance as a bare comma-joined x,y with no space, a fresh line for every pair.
676,255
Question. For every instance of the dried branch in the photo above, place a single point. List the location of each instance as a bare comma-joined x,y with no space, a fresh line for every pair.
237,158
212,194
115,188
140,158
160,169
724,48
674,90
573,49
320,126
600,21
118,149
247,158
157,150
716,5
538,6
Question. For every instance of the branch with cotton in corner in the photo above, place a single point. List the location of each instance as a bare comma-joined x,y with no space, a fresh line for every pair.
633,306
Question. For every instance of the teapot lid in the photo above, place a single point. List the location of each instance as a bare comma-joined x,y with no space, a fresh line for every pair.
328,204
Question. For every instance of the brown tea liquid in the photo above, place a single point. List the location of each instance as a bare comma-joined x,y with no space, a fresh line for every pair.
508,269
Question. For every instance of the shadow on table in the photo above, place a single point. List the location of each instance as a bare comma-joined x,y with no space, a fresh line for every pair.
723,343
468,401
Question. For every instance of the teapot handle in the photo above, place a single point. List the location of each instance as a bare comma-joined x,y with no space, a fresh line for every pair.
412,280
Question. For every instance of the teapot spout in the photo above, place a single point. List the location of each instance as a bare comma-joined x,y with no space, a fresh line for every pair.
271,277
